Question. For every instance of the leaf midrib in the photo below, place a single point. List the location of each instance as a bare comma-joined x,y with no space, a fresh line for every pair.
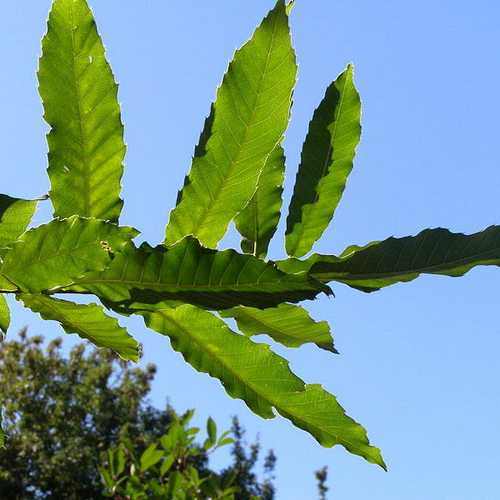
154,285
437,267
222,361
84,171
272,402
72,325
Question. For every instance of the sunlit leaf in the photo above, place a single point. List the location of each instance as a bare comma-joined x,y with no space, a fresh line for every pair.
6,285
150,457
248,120
261,378
86,320
258,221
288,324
61,251
79,95
15,215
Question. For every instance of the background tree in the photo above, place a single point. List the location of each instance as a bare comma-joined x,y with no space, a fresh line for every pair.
245,459
167,467
322,477
61,413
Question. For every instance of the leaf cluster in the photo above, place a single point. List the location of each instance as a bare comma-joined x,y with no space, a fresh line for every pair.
186,287
166,469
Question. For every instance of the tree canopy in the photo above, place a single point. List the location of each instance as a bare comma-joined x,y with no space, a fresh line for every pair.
64,410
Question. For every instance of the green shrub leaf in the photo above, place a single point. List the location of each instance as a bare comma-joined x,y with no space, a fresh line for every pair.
258,221
150,457
79,94
55,254
288,324
15,216
189,272
4,317
327,159
88,321
383,263
261,378
212,431
248,120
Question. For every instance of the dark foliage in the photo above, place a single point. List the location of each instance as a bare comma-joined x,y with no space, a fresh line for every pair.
61,413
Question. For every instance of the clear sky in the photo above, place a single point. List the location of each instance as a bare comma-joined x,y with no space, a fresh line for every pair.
419,362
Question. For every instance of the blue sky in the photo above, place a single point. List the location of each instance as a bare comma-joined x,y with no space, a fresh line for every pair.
419,362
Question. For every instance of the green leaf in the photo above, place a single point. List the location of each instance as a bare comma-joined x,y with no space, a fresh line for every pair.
150,457
212,430
79,94
57,253
86,320
15,216
258,221
319,413
261,378
120,461
167,464
224,442
380,264
290,325
248,120
327,160
188,272
175,483
6,285
106,477
4,317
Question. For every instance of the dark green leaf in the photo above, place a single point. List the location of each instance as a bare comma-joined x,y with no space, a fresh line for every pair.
258,221
55,254
188,272
380,264
79,94
248,120
88,321
288,324
327,159
261,378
